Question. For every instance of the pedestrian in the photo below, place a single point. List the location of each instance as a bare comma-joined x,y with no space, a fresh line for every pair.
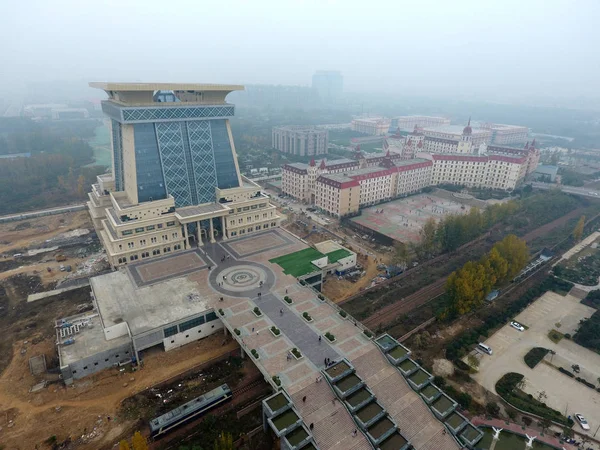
286,291
221,299
281,311
253,329
311,426
257,332
319,339
354,433
325,362
304,399
209,267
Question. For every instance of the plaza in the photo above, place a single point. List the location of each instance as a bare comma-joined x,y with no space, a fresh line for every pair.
401,220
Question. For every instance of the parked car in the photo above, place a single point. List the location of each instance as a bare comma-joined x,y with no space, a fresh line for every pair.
584,424
517,326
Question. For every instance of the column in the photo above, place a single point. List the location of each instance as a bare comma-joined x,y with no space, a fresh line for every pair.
212,230
223,228
199,233
186,244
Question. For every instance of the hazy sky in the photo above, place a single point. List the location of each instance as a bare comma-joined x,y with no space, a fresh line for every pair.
471,48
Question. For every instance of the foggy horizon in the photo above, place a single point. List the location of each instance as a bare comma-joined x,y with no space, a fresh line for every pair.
497,51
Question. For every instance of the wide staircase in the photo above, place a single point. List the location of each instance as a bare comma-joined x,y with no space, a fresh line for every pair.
414,419
333,425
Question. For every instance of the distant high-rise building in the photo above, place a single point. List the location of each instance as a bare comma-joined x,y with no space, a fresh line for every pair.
300,140
329,84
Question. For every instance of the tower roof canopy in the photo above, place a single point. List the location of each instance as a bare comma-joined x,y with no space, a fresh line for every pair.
186,92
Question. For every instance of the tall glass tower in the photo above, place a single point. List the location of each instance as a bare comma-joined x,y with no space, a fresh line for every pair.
171,139
175,182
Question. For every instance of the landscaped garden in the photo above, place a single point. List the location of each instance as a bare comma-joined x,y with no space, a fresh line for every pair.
582,268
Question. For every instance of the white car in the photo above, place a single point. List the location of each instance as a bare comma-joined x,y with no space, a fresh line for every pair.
517,326
584,424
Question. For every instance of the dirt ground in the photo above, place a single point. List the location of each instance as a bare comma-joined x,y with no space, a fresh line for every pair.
18,237
82,411
28,233
339,290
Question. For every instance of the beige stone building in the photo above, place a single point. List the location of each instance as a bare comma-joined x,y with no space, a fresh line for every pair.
175,182
344,193
374,126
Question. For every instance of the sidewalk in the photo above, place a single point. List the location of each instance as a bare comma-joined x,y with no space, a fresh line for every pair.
517,429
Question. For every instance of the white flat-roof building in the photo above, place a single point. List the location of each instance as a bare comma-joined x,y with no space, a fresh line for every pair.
128,319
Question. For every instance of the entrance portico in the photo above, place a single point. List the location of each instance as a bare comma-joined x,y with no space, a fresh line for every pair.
197,214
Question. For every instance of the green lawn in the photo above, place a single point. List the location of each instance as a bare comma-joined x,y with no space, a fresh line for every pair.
336,255
298,263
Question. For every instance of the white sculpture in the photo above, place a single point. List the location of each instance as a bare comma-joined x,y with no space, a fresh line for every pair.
530,443
496,433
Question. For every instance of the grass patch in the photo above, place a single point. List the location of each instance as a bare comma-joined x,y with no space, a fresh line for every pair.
507,388
336,255
298,263
555,336
535,355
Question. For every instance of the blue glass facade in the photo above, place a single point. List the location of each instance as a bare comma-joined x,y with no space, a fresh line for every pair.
175,166
150,182
183,151
117,141
203,158
224,163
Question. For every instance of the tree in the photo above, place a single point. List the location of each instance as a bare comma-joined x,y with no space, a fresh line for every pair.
139,442
473,361
224,442
124,445
515,252
578,231
428,235
402,256
545,423
81,185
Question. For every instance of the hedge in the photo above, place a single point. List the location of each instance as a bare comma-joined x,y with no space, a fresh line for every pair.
566,372
343,313
459,346
535,355
506,387
586,382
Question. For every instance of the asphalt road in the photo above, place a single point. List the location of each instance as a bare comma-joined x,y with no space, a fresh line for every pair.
586,192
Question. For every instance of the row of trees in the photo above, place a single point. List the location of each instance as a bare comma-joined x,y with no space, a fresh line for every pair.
468,287
455,230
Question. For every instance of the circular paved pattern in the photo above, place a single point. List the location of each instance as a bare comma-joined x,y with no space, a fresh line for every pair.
242,279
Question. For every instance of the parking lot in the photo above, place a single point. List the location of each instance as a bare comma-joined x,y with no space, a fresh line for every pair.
551,311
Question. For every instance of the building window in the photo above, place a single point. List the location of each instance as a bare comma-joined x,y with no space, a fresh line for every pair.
153,240
150,228
170,224
159,226
139,230
177,247
84,367
191,323
156,252
170,331
167,249
133,257
211,316
174,235
127,232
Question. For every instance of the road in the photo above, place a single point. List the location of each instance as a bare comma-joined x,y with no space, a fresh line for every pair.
583,191
42,212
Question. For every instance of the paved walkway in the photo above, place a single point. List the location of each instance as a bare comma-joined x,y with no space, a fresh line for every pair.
237,268
297,330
